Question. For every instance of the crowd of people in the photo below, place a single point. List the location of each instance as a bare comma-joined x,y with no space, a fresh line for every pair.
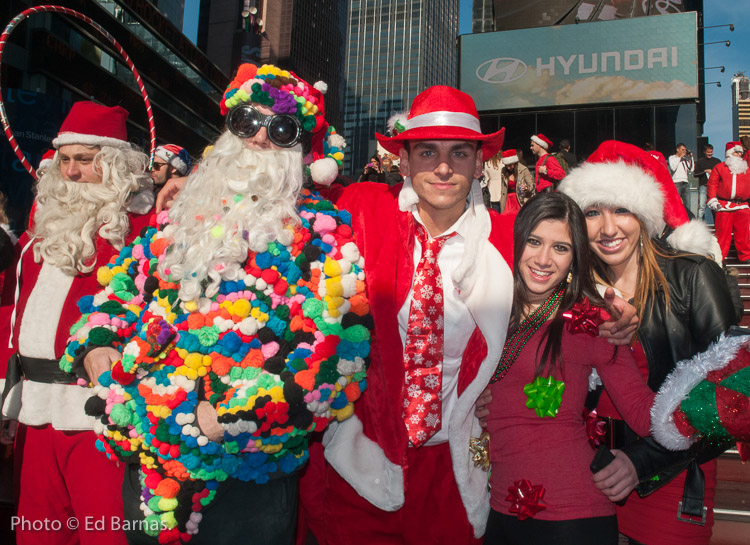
266,353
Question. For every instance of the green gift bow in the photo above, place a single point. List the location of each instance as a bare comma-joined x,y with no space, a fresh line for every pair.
545,396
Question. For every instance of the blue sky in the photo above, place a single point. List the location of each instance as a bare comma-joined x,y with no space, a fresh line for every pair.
735,58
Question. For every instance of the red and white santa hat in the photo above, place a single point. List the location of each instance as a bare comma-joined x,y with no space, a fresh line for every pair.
733,147
623,175
444,113
93,124
174,155
541,140
509,157
47,159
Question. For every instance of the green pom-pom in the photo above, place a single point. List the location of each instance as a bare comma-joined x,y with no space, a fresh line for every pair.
120,415
152,526
112,307
100,336
309,123
356,334
208,335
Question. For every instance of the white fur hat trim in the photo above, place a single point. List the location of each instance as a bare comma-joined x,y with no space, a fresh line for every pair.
618,184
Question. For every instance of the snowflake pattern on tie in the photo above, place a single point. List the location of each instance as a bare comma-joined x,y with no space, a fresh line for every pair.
423,354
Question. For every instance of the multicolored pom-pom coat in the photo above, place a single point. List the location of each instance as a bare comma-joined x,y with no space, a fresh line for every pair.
277,354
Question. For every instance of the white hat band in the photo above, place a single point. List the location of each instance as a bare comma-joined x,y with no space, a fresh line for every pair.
444,119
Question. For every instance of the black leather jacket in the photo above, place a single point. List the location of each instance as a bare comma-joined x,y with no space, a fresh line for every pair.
700,310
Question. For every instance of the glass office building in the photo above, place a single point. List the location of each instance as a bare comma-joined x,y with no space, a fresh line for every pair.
394,50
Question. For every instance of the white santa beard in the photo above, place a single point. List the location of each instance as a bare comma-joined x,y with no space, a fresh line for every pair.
736,165
238,201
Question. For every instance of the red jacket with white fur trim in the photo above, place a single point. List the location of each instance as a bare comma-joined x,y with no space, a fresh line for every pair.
55,311
368,450
731,190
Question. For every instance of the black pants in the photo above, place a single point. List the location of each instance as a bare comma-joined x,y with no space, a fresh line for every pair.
506,530
241,513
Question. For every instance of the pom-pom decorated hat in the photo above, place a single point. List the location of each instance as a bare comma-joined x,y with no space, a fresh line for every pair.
92,124
286,93
444,113
542,140
175,156
509,157
623,175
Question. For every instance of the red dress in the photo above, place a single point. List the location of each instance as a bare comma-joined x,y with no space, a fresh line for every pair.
653,519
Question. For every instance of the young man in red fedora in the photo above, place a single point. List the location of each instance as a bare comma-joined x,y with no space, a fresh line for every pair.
81,220
548,171
440,288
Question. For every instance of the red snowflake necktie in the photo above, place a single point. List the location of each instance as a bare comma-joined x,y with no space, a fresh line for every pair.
423,354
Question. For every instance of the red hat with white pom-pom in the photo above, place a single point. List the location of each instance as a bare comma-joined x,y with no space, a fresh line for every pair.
509,157
623,175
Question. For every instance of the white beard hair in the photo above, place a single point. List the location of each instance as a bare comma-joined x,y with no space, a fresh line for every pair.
69,215
213,229
736,165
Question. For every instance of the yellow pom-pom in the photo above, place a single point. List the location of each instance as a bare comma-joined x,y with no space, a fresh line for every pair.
331,268
241,308
191,306
104,275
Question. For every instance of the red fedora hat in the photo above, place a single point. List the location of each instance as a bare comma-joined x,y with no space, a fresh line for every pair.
444,113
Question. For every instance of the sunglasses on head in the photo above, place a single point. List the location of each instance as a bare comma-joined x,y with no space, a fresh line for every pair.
245,121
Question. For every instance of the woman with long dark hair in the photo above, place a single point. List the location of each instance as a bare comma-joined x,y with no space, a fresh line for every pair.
683,303
542,491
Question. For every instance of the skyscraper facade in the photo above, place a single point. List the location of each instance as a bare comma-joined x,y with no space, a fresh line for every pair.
394,50
740,105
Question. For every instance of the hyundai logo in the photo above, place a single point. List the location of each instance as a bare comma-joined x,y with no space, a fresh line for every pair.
502,70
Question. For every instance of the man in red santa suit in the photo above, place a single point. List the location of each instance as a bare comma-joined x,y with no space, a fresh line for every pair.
437,264
548,171
728,192
81,221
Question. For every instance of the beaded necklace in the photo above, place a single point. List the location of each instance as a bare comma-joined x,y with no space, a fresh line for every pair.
518,339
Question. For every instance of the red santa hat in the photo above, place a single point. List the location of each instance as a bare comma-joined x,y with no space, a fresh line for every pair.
47,159
444,113
175,156
509,157
542,140
93,124
733,147
623,175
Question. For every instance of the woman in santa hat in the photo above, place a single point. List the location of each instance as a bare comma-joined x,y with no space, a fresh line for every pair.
649,251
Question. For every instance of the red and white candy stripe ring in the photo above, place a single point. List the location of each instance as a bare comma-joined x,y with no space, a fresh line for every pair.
59,9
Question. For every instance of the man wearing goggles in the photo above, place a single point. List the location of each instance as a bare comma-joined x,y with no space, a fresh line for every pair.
243,240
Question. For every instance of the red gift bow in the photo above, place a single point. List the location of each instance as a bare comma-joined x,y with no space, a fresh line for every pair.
525,499
583,317
596,429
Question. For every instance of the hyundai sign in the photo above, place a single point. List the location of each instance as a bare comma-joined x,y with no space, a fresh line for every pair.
643,59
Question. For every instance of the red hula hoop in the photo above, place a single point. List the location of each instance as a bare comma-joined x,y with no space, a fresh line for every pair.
59,9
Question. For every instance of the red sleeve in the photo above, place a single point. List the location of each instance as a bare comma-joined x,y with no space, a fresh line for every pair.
628,391
554,170
501,235
713,183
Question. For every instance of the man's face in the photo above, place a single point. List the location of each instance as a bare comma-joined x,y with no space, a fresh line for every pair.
536,149
77,164
160,172
709,152
681,151
259,141
441,172
387,163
